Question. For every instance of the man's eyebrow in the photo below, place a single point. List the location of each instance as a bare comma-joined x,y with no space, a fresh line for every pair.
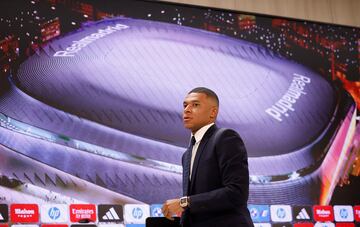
191,101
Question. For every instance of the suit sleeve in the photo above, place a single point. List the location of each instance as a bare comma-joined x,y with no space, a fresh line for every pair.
233,165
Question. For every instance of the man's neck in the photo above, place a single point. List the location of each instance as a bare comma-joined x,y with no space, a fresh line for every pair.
194,132
202,130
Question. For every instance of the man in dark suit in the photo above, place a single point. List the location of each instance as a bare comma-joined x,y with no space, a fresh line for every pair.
215,169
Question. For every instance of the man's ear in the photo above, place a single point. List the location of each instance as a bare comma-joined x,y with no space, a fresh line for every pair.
214,112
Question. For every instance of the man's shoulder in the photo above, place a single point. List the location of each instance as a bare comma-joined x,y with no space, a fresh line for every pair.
224,132
218,134
226,139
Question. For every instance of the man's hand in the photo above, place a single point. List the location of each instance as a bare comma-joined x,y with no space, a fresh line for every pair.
172,207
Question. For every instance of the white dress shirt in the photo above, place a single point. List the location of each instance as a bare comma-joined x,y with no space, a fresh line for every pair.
199,134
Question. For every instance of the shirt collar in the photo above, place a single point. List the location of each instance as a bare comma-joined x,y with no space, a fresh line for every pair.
199,134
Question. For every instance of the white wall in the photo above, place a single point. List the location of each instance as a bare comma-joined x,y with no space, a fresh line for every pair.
344,12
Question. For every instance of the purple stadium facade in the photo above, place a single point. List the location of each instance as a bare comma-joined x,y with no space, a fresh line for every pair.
102,105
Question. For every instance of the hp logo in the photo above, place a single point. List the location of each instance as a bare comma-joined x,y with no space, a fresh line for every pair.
344,213
54,213
281,213
137,213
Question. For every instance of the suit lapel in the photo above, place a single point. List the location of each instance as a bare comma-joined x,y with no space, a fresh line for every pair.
199,152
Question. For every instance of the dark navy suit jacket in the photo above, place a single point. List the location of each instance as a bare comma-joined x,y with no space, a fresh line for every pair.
219,186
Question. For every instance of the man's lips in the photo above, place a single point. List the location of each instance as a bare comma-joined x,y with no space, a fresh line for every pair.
185,119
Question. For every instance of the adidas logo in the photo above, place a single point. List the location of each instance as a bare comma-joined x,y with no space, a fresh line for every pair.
111,215
303,215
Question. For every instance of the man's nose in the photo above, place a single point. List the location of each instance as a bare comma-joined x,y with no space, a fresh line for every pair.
187,109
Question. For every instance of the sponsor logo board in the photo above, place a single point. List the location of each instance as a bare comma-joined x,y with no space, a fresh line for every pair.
4,213
83,225
343,213
262,225
324,224
259,213
24,225
24,213
54,225
110,213
155,210
323,213
280,213
135,225
136,213
111,225
302,213
304,224
82,213
345,224
54,213
357,213
282,225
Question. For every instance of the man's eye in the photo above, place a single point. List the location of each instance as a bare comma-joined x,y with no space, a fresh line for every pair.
196,104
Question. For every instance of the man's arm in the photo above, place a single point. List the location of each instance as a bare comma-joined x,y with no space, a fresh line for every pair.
172,207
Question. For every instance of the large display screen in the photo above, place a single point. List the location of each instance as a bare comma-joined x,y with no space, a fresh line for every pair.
91,99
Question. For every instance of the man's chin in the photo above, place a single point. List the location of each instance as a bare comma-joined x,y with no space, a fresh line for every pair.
188,126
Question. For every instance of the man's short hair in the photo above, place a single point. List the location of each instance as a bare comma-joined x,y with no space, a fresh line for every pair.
210,93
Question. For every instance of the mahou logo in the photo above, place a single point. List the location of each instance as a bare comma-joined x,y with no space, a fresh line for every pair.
323,213
357,213
54,225
82,213
24,213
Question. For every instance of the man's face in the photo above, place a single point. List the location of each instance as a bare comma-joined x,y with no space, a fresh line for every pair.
199,110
